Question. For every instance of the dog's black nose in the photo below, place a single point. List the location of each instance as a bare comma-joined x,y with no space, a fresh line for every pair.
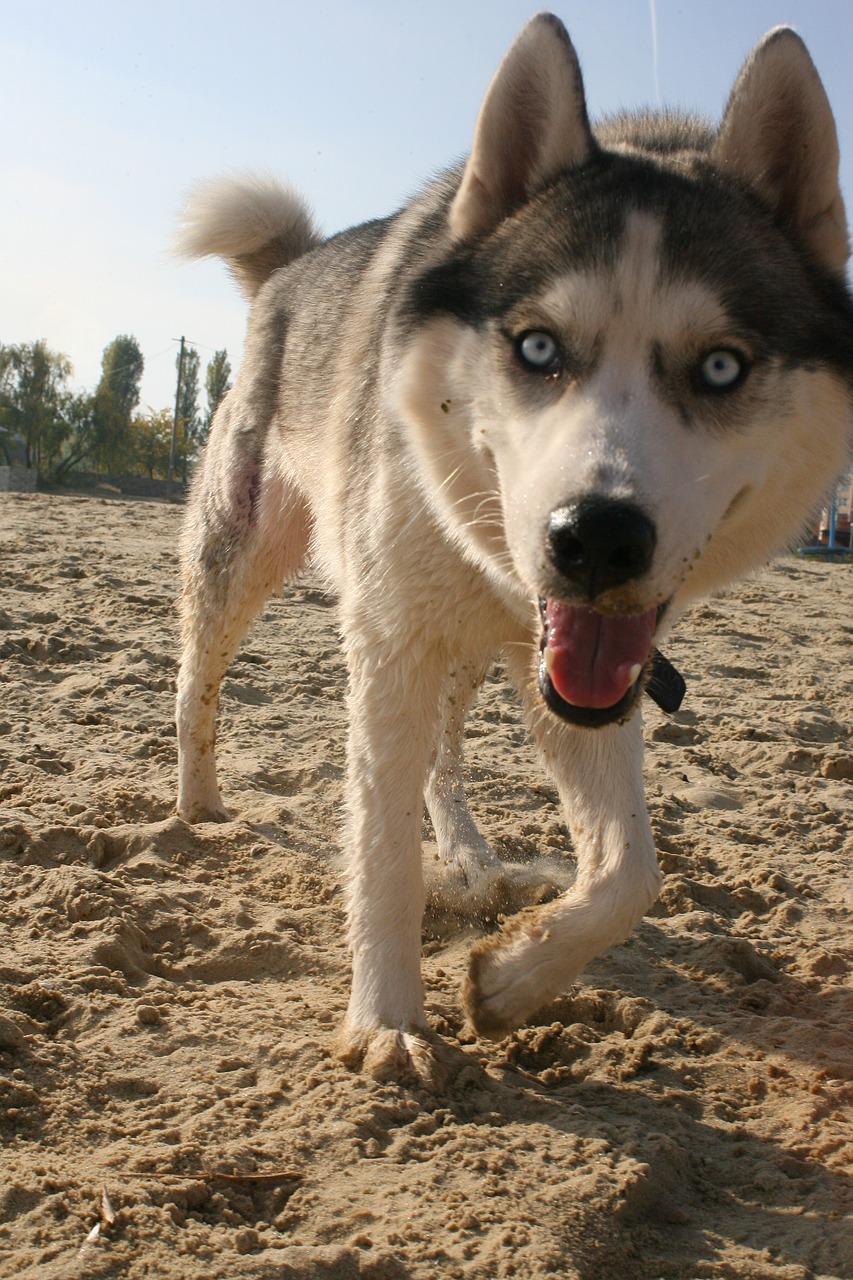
599,543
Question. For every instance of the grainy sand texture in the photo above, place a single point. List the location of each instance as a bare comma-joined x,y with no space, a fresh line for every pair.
169,1104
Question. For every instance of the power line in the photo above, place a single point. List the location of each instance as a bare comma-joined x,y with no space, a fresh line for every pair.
164,352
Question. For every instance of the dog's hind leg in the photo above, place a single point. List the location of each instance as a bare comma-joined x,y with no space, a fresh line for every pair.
540,952
464,854
246,534
470,880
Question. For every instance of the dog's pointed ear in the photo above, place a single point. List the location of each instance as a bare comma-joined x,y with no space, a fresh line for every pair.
778,135
533,123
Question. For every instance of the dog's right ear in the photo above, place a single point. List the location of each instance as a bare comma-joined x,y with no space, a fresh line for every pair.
778,135
533,123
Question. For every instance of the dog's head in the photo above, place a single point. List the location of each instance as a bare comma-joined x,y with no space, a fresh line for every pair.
628,374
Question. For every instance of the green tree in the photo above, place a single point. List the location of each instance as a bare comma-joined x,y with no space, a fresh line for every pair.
32,388
189,417
151,436
80,434
6,378
116,397
217,384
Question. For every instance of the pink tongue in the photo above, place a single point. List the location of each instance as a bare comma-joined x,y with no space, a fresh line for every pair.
594,654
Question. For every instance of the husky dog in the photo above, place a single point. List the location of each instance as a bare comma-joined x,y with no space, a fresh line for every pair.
582,379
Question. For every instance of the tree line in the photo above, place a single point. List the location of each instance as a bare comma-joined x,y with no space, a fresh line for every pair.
59,431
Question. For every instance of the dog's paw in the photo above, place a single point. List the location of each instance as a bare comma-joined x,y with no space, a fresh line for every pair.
196,812
511,975
386,1053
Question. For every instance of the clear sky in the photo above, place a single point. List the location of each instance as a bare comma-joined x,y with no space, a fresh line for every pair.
113,109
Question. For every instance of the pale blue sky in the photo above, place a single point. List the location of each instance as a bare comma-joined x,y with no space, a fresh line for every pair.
113,109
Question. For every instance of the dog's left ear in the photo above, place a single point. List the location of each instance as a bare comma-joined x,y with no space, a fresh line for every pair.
778,135
533,123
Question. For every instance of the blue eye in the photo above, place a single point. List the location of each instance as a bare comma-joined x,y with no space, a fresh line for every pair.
539,351
721,370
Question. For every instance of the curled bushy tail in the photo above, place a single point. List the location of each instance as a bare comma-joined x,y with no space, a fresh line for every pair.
253,222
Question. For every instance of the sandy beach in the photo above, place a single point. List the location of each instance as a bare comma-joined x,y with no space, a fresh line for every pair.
169,1104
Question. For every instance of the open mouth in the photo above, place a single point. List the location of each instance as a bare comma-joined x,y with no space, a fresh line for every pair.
593,666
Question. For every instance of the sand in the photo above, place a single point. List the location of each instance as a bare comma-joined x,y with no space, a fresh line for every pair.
169,1105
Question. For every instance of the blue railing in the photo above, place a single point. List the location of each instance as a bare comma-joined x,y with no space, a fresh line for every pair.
831,550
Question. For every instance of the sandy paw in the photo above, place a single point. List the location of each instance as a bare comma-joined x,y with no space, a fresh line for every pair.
510,976
198,812
388,1053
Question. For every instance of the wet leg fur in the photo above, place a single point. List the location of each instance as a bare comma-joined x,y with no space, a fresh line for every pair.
472,883
246,534
390,742
465,857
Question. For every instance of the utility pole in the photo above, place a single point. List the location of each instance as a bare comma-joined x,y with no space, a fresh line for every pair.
175,420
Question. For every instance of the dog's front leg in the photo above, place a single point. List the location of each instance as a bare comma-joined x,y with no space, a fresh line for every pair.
540,952
394,708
